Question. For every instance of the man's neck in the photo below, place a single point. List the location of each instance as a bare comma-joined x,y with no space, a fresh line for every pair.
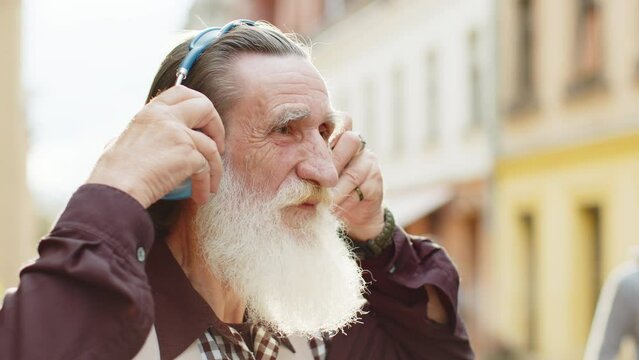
184,246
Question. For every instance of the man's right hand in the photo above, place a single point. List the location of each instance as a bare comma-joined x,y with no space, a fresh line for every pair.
160,149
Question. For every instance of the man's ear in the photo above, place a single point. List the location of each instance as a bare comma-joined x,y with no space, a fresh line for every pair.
186,218
182,238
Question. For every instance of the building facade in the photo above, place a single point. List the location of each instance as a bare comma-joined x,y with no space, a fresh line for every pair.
17,243
304,17
567,171
418,78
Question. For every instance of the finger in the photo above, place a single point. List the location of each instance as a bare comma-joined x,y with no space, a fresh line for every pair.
345,150
214,128
208,148
372,189
347,122
197,168
193,112
176,94
344,123
199,113
354,175
200,184
346,205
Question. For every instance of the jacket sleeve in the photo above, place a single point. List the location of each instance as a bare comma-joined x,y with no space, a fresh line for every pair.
87,295
395,325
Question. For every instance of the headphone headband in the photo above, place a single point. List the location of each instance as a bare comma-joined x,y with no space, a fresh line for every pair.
201,42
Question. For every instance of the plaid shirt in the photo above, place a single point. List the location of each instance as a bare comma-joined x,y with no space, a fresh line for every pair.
265,346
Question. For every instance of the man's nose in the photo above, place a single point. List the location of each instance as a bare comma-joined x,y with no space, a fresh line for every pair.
317,165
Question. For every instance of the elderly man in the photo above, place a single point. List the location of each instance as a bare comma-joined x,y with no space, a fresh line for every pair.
261,268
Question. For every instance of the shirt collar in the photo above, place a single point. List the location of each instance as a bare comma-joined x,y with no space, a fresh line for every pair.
181,314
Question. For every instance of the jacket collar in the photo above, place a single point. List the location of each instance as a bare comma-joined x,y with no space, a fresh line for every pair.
181,314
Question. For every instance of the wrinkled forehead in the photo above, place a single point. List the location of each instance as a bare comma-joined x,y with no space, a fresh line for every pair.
281,81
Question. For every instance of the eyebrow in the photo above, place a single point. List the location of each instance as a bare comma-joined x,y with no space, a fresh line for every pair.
290,114
295,113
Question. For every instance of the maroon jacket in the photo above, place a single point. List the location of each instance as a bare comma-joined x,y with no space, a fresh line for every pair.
89,295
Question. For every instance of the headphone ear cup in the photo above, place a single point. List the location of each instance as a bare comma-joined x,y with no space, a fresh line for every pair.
199,43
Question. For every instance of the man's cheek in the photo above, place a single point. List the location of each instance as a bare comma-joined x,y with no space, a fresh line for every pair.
264,165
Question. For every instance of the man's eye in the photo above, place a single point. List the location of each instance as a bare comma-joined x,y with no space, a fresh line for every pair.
325,131
282,130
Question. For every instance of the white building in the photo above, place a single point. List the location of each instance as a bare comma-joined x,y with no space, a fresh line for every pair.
418,78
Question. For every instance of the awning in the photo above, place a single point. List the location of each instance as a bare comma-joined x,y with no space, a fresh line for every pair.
411,204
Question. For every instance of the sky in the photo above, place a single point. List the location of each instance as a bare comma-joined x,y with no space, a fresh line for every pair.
87,68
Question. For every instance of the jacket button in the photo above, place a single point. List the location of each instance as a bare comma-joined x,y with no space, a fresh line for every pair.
141,254
392,270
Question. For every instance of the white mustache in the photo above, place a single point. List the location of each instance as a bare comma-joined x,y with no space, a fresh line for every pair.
301,192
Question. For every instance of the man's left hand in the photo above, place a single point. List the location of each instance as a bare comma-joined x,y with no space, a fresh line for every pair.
358,169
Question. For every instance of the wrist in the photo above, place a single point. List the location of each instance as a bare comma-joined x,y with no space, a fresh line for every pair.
373,247
120,182
368,231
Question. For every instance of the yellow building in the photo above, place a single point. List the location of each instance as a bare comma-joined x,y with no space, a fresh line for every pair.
17,242
567,173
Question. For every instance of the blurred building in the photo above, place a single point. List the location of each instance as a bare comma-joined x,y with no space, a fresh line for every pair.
567,172
17,242
304,17
417,77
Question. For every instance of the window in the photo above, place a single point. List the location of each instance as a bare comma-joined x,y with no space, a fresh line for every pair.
587,254
264,9
528,236
351,6
636,12
432,98
588,54
589,38
333,9
474,81
525,55
357,2
592,251
398,109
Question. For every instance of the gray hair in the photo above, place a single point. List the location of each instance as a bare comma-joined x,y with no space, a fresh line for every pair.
212,76
212,72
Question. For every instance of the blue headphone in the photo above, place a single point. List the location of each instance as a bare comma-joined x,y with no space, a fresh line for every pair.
197,46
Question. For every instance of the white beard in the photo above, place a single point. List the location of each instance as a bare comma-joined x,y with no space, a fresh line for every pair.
296,281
